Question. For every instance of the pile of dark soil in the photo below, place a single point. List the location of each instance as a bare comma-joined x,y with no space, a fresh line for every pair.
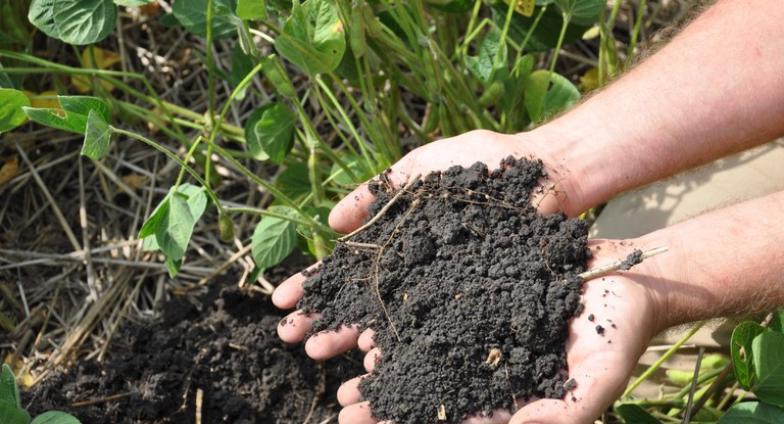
227,349
469,289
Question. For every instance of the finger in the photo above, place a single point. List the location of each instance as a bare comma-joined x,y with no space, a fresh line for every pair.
371,359
358,413
294,326
289,292
599,381
327,344
348,392
352,210
497,417
366,341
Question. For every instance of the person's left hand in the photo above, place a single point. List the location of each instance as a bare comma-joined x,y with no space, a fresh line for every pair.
627,306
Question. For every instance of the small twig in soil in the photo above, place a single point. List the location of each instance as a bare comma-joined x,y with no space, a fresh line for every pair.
199,402
689,402
362,245
91,402
616,265
383,210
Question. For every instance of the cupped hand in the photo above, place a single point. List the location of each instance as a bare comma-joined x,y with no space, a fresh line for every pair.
558,193
623,311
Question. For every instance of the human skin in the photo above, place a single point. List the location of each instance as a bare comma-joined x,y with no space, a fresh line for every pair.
717,88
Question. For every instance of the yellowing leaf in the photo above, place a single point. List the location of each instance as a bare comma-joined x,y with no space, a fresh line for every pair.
524,7
45,99
24,379
9,170
96,58
590,80
135,181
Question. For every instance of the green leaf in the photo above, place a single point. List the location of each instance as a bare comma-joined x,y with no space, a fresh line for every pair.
582,11
545,35
175,228
451,6
55,417
84,21
269,132
354,163
97,137
11,414
753,413
251,9
742,337
11,104
9,392
41,14
196,202
635,414
294,180
768,360
546,96
313,37
192,14
273,70
73,115
173,266
274,238
485,64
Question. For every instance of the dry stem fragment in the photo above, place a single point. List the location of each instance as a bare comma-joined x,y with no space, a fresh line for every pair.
383,210
494,357
616,265
442,413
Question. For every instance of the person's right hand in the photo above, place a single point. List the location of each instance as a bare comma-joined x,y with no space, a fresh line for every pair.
559,192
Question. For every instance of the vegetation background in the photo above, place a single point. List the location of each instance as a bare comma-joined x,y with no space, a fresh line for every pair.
149,146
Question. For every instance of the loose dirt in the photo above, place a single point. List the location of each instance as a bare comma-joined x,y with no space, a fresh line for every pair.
469,289
225,346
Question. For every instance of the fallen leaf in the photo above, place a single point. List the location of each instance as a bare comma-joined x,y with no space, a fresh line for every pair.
135,181
95,58
9,170
24,379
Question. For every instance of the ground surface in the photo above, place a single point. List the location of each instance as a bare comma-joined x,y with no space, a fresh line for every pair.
470,291
225,345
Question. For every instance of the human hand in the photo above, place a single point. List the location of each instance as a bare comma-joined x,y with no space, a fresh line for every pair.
629,308
558,193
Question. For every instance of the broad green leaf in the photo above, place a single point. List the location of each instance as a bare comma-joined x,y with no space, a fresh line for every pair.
196,201
294,180
132,3
175,228
547,95
313,37
451,6
97,136
73,115
340,177
753,413
192,14
742,337
11,414
55,417
274,238
269,132
173,266
635,414
241,66
583,11
768,359
9,392
251,9
11,104
545,35
84,21
492,56
41,14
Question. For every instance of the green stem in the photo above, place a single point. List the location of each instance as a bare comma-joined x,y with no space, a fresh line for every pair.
210,94
635,31
655,366
171,155
566,19
187,158
265,212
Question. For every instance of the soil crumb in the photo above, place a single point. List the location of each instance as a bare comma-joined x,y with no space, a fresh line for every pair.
227,347
633,259
469,289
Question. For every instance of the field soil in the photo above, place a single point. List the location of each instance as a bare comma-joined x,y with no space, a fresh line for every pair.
469,289
222,344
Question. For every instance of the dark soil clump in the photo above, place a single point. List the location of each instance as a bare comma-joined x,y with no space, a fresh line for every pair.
633,259
227,347
469,289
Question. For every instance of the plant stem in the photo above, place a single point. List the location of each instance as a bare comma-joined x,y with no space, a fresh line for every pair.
171,155
671,351
210,95
187,158
635,32
265,212
566,19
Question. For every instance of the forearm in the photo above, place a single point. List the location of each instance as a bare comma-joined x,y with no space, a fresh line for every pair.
728,262
715,89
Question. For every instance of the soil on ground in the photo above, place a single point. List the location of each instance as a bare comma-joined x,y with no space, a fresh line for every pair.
469,289
223,344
